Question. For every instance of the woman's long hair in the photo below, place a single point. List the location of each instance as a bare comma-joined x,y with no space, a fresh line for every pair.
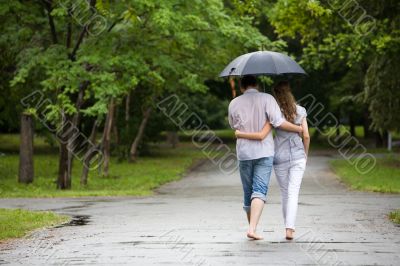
285,99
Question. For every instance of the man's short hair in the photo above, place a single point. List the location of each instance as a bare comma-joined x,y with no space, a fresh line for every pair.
248,81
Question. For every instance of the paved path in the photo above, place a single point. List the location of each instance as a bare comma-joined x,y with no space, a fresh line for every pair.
199,221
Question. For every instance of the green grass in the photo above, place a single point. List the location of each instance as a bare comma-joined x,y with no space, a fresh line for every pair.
221,133
164,165
394,216
17,223
9,143
358,130
226,135
384,177
319,141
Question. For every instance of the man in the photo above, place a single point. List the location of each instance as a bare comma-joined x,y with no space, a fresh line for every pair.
249,113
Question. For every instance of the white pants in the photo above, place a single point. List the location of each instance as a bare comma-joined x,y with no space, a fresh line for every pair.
289,176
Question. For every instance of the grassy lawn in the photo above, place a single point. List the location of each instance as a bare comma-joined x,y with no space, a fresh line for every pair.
17,223
163,165
318,142
226,135
359,131
9,143
394,216
385,177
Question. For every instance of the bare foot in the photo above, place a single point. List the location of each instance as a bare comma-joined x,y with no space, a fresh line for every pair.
289,233
254,236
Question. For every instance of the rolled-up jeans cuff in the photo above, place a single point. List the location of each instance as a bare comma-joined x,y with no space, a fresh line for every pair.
259,196
247,208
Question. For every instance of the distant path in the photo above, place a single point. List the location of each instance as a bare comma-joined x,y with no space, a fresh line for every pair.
199,221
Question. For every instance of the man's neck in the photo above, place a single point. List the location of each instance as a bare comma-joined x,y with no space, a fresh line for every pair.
249,89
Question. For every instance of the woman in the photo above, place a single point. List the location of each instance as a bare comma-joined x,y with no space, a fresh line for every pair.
291,151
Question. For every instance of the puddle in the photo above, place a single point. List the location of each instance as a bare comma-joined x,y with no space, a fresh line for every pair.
307,204
73,207
77,220
134,243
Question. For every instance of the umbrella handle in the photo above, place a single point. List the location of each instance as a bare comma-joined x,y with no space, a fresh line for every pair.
232,83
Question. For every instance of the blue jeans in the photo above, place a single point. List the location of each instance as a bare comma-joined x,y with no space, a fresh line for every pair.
255,175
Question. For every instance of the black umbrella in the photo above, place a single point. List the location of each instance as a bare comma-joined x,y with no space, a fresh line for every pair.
262,63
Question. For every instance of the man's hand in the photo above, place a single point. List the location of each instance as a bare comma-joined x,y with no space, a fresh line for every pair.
237,133
300,130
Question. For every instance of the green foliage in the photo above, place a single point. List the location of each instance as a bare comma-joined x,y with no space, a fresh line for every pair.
148,49
382,92
304,19
336,42
169,45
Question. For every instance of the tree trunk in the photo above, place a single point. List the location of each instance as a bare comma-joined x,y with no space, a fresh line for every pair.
107,136
64,165
378,140
338,126
173,138
115,130
75,122
385,138
88,156
127,113
67,143
127,107
352,125
389,141
139,135
338,131
366,124
26,169
64,179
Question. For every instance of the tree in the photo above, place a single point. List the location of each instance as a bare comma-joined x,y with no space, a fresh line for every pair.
66,72
350,41
179,52
145,49
382,91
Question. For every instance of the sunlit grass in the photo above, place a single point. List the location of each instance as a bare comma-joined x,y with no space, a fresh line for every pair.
384,177
163,165
394,216
17,223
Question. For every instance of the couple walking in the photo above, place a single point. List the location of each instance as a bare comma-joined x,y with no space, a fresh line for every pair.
252,115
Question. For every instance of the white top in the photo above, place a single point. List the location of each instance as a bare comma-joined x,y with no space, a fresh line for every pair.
289,145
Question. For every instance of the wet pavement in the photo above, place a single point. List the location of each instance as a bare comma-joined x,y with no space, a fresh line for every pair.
199,221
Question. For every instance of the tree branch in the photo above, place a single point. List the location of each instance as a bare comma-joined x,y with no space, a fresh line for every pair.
72,56
48,6
69,29
114,23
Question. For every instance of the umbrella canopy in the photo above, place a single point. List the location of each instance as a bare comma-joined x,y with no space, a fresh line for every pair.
262,63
